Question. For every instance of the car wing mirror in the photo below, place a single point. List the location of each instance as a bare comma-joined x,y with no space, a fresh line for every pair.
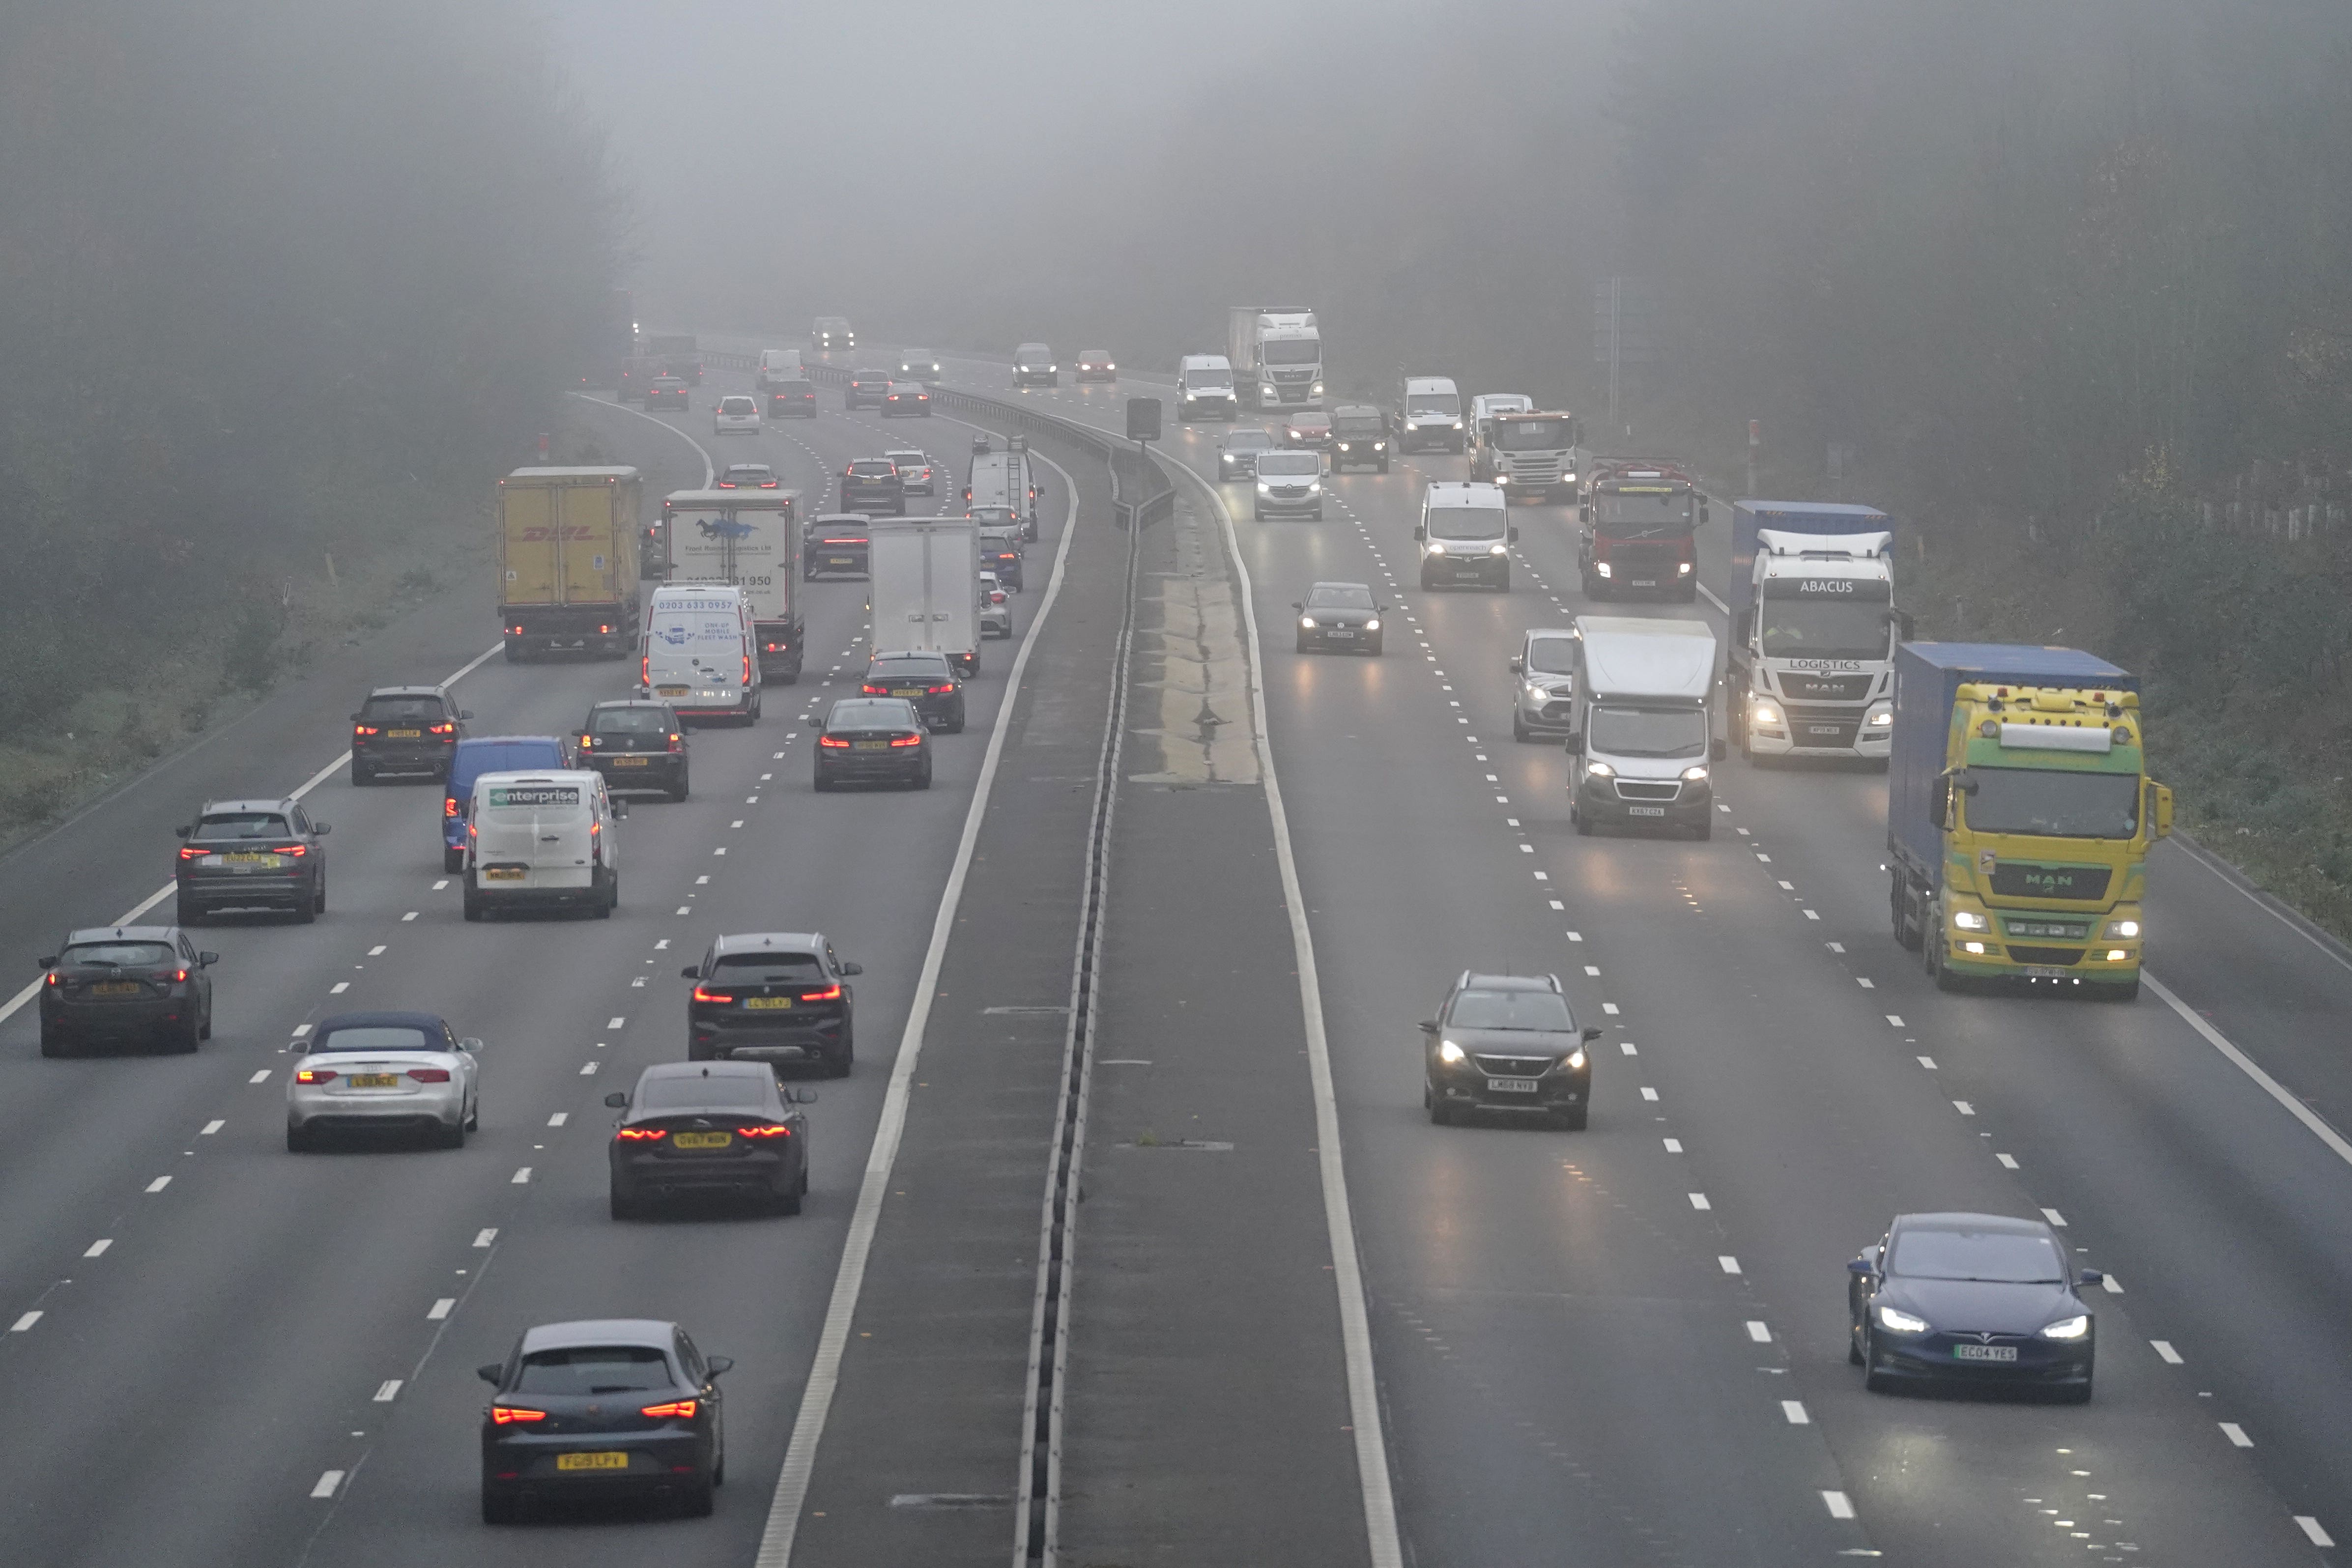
690,972
1427,1026
1592,1031
206,959
1718,749
853,968
801,1096
182,832
469,1043
1574,742
1298,604
50,962
719,1363
1861,1266
322,828
1518,666
491,1372
1514,531
355,718
618,1099
2090,1277
620,810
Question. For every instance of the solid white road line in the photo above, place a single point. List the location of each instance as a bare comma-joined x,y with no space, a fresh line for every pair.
2245,1064
709,470
849,1278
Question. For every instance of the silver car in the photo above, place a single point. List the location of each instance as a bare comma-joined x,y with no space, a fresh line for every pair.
384,1071
915,471
995,607
1544,684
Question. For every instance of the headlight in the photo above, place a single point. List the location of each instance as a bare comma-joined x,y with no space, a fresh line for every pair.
1110,367
1264,488
1343,446
1893,1320
1574,1060
1188,397
1882,718
1765,713
1380,446
1567,478
1973,948
1498,550
1053,368
2122,928
1502,478
1694,775
2075,1327
1373,624
1317,391
1449,1052
1601,566
1969,920
1598,770
1437,547
1535,691
1458,425
2116,955
1315,486
1307,620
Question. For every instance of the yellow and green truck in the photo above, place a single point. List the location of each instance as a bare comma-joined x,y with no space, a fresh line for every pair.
568,560
2019,817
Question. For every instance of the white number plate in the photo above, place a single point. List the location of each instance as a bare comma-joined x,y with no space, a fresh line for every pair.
1645,810
1646,582
2046,972
1510,1086
1984,1353
1335,632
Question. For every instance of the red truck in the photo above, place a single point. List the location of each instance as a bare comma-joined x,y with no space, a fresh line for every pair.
1637,519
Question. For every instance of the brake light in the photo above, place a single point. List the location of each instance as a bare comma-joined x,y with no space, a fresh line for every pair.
53,979
451,728
189,852
871,690
766,1130
701,995
314,1075
429,1074
832,741
363,729
674,743
449,805
639,1134
646,669
507,1415
179,976
683,1409
909,741
935,691
587,743
297,851
747,669
830,994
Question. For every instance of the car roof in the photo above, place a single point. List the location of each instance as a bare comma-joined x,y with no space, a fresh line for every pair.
1259,431
123,934
841,517
870,371
738,397
931,654
2001,1224
651,1334
1026,347
897,452
381,1019
259,803
1472,980
1101,353
408,692
1315,587
1535,632
766,942
626,702
749,468
1363,410
899,704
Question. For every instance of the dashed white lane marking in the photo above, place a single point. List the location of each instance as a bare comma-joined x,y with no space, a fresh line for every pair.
339,987
1729,1264
98,1248
1648,1093
1758,1332
719,851
410,915
301,1029
1794,1409
1834,946
1698,1201
326,1483
1812,914
1555,903
1627,1047
2309,1525
1575,936
441,1309
521,1176
159,1183
1897,1019
442,884
376,951
559,1118
2007,1162
1788,886
736,823
1865,982
614,1023
2165,1353
661,945
1964,1108
26,1321
484,1238
587,1070
2055,1217
387,1390
1928,1063
1609,1008
209,1128
685,909
1838,1503
2237,1435
2113,1286
702,881
1674,1145
260,1077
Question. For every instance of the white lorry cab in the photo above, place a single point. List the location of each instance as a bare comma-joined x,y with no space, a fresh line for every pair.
541,840
700,652
1429,413
1645,730
1205,387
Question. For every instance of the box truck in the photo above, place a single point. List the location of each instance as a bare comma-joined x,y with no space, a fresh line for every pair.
567,560
1644,731
926,591
753,542
1275,352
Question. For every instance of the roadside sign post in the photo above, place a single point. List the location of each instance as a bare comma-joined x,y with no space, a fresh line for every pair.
1143,429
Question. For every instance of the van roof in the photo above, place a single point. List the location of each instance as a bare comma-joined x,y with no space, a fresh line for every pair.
1428,384
1465,493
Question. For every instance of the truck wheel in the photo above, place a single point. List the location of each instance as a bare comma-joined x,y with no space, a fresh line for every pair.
1899,901
1704,831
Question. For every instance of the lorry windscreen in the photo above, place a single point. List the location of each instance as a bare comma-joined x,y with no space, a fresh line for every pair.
1531,435
1448,404
1824,628
1647,732
1653,514
1293,351
2046,803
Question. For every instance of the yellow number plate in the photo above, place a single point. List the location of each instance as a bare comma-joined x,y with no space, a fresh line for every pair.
671,690
403,735
869,745
607,1461
701,1140
244,858
374,1080
502,874
631,761
905,691
117,988
767,1001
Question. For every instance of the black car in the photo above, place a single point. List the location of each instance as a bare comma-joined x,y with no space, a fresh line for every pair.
1339,617
872,485
1237,452
666,392
709,1129
636,743
1032,365
1507,1043
980,447
747,476
1970,1298
907,399
252,855
1000,552
867,389
405,729
124,983
773,997
929,681
611,1406
832,332
837,541
873,740
1359,437
792,399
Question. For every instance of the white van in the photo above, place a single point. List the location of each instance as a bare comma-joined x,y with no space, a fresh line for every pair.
1465,536
701,653
1429,413
541,840
1204,385
778,366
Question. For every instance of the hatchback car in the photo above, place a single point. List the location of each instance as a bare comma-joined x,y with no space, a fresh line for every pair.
906,399
384,1071
1033,366
929,681
872,485
612,1407
737,414
405,729
251,854
837,542
773,997
995,607
488,754
746,476
126,983
1970,1298
667,391
916,476
1543,682
919,365
1237,452
1359,437
873,740
867,389
1094,365
709,1129
1000,552
636,743
1307,428
792,399
1506,1043
1339,617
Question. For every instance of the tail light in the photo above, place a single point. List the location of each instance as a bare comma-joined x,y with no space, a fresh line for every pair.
449,805
747,669
429,1074
314,1075
833,742
683,1409
766,1130
179,976
296,851
871,690
908,740
639,1134
676,743
364,729
190,853
587,743
830,994
701,995
507,1415
936,691
451,728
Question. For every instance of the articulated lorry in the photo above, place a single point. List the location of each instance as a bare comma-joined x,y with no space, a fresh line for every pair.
2018,816
568,560
1277,355
926,592
752,542
1814,630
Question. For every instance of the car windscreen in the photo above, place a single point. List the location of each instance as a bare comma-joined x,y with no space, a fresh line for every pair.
1824,628
738,405
1997,1257
119,954
2046,804
378,1037
770,968
1551,656
1511,1009
895,713
1647,732
629,721
586,1370
1340,596
907,669
1355,424
1644,514
1033,353
751,473
1531,435
1445,405
1271,465
701,1094
245,825
392,710
994,518
1293,351
1248,441
1467,522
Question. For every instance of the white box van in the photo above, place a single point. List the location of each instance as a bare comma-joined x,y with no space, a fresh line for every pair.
778,366
925,594
541,840
1205,386
1465,536
701,653
1643,735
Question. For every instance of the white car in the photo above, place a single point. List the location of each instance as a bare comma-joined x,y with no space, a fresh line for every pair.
736,414
995,607
915,476
384,1071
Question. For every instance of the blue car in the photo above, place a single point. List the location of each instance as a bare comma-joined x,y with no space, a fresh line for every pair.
488,754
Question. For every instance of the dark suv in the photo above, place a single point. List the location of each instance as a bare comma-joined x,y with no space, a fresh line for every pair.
636,743
1507,1043
773,997
122,982
792,399
929,681
252,855
867,389
1359,437
405,729
837,541
872,485
1000,552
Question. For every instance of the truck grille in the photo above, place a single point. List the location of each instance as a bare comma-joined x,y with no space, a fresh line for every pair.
1810,724
1536,471
1642,565
1800,684
1307,375
2015,879
2060,957
1628,790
